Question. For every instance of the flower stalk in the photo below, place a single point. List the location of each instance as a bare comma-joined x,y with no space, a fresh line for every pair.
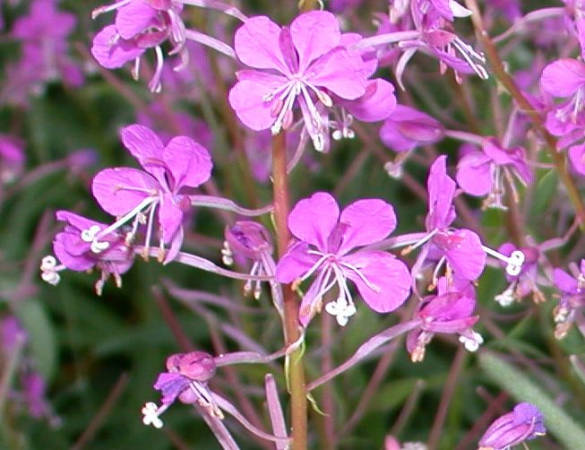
291,305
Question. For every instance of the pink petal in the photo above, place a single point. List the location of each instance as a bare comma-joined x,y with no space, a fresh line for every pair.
247,100
134,18
77,263
108,188
257,44
563,77
376,104
383,270
341,72
464,253
313,34
189,162
170,218
577,158
474,174
295,263
142,143
312,219
441,193
368,220
564,281
111,51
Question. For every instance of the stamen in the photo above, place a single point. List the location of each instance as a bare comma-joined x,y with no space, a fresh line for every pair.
367,282
107,8
473,58
205,399
424,240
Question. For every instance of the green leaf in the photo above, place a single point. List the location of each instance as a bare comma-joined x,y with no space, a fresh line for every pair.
42,342
544,192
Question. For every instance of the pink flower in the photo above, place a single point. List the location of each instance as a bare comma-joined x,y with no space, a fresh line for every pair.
565,78
407,128
308,64
75,250
461,249
326,243
522,424
572,301
137,195
484,172
143,24
450,311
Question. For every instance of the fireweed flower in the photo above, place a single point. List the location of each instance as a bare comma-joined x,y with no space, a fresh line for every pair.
325,246
12,158
450,311
483,172
432,33
565,78
76,250
522,424
526,281
186,380
405,129
143,24
460,249
43,34
136,196
570,306
309,64
252,241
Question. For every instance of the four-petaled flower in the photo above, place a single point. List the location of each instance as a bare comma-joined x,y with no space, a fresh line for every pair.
186,379
326,243
135,195
522,424
308,63
450,311
460,248
572,300
483,172
77,250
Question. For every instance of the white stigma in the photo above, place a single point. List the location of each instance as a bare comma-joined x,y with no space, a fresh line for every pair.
151,415
506,298
50,270
471,342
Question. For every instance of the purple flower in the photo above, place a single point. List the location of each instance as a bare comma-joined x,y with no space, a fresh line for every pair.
450,311
565,78
406,128
12,335
75,249
572,300
526,280
461,249
524,423
34,390
136,195
12,158
577,158
43,34
325,246
487,172
186,379
248,240
143,24
309,64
